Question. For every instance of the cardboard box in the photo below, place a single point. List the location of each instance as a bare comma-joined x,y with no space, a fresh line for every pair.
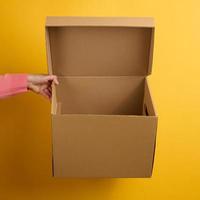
103,119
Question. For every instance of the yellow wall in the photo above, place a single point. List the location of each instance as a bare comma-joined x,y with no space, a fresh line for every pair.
25,138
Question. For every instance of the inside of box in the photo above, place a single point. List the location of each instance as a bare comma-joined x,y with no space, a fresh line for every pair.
103,95
101,70
100,51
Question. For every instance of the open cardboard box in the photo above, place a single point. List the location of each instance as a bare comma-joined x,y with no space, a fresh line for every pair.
103,119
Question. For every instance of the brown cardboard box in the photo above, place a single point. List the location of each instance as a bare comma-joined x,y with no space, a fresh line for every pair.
103,119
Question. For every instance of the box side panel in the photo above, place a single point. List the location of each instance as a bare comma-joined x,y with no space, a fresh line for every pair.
151,51
149,110
48,51
54,100
103,146
154,148
148,105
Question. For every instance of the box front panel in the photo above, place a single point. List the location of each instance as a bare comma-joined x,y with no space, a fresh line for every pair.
103,146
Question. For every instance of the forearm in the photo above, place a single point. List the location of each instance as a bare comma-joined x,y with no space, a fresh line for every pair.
11,84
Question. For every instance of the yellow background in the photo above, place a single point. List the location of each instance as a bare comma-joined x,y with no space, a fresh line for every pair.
25,138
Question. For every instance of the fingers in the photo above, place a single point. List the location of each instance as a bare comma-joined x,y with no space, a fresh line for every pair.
34,88
41,84
40,79
55,80
47,93
52,78
44,90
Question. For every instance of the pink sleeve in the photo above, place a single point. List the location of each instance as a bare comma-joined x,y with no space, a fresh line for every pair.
11,84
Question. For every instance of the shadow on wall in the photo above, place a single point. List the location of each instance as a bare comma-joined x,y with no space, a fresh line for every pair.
25,151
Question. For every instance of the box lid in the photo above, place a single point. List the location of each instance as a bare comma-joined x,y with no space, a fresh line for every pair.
99,46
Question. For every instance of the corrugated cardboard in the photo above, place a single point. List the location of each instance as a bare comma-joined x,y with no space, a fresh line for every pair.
103,119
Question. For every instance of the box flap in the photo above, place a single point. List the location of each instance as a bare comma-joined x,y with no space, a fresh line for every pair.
99,46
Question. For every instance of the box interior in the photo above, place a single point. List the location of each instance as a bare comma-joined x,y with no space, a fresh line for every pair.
101,70
100,51
103,95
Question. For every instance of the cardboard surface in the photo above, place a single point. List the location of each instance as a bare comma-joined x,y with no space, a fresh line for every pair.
101,51
103,145
101,95
63,21
103,118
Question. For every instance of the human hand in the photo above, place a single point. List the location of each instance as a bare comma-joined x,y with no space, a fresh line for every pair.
41,84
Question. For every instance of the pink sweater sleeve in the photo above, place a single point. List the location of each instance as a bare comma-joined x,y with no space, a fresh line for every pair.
11,84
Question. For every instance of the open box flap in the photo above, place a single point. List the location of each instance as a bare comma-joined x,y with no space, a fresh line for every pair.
99,46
